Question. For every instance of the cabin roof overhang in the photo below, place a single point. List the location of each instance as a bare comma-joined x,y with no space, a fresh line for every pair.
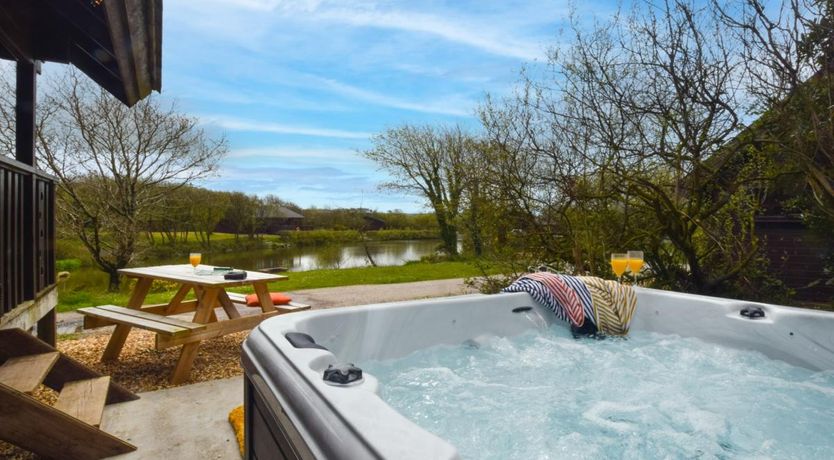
117,43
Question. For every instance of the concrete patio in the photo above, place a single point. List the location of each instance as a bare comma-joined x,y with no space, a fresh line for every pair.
187,422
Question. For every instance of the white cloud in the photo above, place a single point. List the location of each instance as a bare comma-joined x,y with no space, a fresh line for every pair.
238,124
262,5
448,106
488,34
304,156
480,36
286,151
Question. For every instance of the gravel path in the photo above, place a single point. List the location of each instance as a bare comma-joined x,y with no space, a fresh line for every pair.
377,293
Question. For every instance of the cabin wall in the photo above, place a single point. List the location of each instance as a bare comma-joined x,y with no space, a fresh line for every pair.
27,246
797,256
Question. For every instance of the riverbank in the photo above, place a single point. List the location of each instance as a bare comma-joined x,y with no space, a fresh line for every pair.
73,296
155,245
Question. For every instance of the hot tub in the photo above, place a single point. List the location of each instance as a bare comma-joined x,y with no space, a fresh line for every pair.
292,412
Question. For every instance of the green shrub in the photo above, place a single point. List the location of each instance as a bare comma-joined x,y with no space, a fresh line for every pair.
67,265
322,237
404,234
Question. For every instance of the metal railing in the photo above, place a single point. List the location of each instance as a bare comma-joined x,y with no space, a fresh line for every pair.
27,233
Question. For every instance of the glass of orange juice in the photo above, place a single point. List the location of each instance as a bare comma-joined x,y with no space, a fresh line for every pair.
635,263
194,259
619,264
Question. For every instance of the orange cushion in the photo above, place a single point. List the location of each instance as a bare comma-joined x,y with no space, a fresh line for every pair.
277,299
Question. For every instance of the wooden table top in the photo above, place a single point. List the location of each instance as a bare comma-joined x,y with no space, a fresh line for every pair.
185,274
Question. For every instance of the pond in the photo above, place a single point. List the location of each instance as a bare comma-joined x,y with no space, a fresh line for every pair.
344,255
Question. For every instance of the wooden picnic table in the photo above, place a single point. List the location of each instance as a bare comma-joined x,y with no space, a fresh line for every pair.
209,290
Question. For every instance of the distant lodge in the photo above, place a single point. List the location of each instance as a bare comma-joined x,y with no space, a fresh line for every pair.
274,220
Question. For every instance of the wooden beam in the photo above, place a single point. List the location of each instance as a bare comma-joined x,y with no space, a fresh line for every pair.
15,29
25,112
27,314
135,31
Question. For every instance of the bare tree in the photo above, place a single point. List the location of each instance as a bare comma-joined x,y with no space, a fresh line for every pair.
432,162
637,123
538,173
115,164
662,96
788,50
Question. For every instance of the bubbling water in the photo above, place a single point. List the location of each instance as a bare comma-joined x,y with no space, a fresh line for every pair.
545,395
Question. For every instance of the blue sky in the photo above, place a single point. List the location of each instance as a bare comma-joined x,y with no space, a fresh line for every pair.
299,86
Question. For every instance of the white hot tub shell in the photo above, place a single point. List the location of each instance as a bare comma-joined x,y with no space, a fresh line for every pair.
292,412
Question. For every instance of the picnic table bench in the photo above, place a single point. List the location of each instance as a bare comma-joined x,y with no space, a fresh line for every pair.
210,292
105,315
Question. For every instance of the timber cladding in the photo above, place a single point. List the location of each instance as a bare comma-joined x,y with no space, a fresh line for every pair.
797,256
27,233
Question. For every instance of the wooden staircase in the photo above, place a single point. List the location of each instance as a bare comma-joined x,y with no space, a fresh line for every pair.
69,429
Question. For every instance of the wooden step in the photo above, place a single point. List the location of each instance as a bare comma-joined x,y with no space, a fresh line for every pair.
84,399
16,342
50,433
25,373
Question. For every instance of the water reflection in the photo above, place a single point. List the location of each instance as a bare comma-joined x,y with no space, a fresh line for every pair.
346,255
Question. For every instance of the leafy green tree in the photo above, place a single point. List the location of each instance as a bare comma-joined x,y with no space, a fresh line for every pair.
434,163
241,214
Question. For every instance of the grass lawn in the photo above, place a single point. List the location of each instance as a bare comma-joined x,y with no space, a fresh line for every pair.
81,295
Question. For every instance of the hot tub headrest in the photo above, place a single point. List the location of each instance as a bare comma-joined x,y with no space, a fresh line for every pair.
302,340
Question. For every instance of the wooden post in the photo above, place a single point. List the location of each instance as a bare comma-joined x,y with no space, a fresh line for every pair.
25,111
47,329
25,153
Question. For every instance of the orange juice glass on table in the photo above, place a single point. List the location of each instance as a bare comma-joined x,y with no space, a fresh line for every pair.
194,259
619,264
635,263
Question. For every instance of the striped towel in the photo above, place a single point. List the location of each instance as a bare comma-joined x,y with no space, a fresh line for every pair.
614,304
540,293
583,294
608,305
554,293
563,293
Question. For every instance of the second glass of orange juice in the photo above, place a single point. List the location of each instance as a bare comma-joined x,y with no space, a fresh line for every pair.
635,263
